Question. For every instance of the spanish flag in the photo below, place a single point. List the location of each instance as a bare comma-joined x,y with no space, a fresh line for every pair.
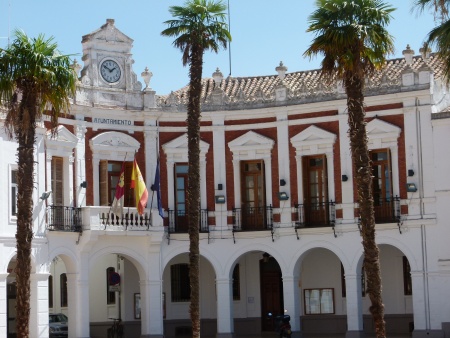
140,190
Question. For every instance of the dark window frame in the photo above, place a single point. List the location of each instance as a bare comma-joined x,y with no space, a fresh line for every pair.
180,283
63,290
110,295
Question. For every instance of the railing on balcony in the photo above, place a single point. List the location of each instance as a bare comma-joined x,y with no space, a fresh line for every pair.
387,210
253,218
129,220
311,215
61,218
178,221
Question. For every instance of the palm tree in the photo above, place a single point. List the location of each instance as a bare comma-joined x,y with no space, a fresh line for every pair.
440,35
199,26
34,79
352,37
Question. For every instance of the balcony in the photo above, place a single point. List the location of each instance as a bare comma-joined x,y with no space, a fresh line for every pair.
253,218
313,215
387,210
178,221
61,218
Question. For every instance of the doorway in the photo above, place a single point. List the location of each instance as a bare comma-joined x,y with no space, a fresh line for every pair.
271,292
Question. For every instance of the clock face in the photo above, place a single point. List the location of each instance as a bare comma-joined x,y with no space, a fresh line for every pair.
110,71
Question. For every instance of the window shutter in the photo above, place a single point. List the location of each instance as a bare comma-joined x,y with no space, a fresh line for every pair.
57,181
104,190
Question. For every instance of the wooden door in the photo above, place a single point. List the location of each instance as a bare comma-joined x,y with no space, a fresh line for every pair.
315,190
253,195
271,293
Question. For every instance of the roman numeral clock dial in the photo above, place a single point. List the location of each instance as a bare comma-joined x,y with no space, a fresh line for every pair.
110,71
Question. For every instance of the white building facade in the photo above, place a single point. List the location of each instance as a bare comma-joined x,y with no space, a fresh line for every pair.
279,217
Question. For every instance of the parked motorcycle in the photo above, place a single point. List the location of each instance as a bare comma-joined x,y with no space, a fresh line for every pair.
282,325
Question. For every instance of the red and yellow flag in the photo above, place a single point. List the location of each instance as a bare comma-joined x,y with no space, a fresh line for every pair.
140,190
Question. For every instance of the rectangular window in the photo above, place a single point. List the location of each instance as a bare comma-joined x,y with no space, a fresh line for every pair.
181,201
407,280
109,177
13,192
110,295
63,289
236,283
319,301
180,283
57,181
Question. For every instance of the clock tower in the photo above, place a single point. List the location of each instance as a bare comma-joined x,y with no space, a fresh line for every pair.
107,78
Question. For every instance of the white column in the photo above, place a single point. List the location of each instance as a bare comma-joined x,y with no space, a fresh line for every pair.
237,183
79,301
39,305
298,159
220,176
268,178
354,305
395,171
151,158
418,298
283,165
80,162
151,308
96,180
48,186
292,301
170,184
330,174
68,194
3,305
348,214
203,204
225,325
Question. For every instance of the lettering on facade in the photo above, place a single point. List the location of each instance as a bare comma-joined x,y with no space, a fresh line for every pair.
113,121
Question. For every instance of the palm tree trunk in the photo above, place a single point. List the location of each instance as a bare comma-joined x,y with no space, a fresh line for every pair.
363,177
24,235
193,131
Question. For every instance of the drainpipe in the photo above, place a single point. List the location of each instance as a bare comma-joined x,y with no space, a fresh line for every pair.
423,233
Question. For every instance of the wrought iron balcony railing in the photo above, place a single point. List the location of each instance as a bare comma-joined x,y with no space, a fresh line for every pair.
178,221
253,218
61,218
386,210
310,215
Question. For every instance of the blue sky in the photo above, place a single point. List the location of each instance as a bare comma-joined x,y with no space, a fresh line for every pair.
264,33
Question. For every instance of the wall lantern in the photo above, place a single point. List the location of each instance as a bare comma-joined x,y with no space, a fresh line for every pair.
282,182
45,195
219,186
411,187
410,172
344,178
283,196
220,199
83,184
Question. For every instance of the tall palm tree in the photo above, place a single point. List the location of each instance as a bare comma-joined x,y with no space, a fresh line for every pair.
34,79
198,26
352,37
440,35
